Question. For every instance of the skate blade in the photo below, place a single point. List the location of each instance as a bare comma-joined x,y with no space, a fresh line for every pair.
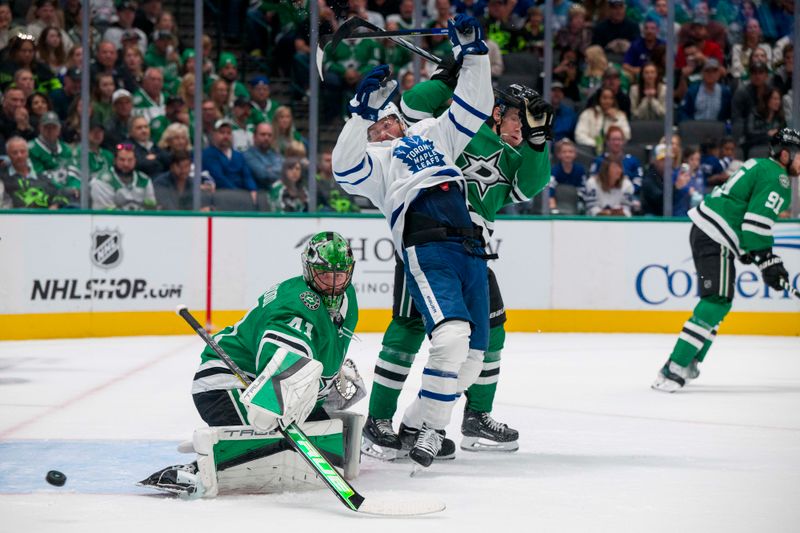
477,444
663,384
373,450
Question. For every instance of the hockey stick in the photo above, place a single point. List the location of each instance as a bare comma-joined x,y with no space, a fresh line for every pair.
381,34
302,445
351,25
787,287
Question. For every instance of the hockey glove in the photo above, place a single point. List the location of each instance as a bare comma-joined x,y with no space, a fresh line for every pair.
348,388
466,35
373,93
771,266
447,71
537,121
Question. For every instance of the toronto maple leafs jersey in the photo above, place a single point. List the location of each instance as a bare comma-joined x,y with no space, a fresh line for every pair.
289,315
497,173
393,173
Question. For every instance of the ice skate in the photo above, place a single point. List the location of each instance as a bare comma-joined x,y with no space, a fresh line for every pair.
482,433
408,437
692,371
180,480
427,446
379,439
671,377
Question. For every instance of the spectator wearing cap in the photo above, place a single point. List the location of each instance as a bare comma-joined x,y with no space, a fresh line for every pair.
748,94
242,128
227,166
615,149
713,30
227,71
612,79
149,158
162,54
123,187
150,102
100,159
15,121
752,39
21,186
177,111
263,107
706,48
147,15
264,161
121,113
52,158
124,28
641,50
652,191
707,99
21,53
565,116
45,13
174,188
615,33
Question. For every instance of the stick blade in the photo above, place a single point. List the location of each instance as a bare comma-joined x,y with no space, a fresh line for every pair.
399,508
319,58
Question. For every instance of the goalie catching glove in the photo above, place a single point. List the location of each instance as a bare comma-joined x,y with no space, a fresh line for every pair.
771,266
537,119
348,388
373,93
285,392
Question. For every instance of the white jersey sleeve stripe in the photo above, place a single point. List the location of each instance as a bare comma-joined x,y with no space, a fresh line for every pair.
759,219
756,228
484,117
459,127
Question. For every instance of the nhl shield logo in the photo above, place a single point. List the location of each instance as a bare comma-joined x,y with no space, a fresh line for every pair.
106,248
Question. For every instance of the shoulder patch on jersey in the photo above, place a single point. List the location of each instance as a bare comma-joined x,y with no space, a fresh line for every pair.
311,300
784,179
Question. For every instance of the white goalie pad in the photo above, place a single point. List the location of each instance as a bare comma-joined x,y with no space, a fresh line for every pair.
244,459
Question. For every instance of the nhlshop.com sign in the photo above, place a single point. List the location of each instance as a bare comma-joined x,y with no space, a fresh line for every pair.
102,289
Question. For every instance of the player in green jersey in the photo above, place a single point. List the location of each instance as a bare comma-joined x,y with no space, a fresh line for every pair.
292,345
734,221
504,163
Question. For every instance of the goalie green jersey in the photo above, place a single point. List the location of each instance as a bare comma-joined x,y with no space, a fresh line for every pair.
288,316
740,213
497,174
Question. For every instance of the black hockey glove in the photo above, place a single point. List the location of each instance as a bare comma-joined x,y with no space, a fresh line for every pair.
537,121
772,270
447,71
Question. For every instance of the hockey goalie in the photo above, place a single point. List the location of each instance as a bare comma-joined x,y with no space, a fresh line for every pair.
292,345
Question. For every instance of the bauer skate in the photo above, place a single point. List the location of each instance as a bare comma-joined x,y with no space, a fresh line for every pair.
671,377
427,446
180,480
482,433
408,437
379,439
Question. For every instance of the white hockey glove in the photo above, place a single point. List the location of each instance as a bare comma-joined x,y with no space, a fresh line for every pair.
537,120
373,93
285,392
347,390
466,35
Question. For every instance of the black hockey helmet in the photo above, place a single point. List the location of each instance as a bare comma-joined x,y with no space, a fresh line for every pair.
514,96
786,139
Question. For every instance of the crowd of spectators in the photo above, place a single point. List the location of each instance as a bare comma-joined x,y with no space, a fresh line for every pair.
733,66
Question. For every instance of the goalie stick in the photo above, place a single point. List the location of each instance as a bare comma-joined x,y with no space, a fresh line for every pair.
300,443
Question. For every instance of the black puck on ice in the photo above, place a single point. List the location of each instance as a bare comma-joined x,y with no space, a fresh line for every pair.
54,477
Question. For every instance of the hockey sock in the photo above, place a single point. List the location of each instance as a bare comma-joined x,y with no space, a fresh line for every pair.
401,342
702,355
480,396
699,331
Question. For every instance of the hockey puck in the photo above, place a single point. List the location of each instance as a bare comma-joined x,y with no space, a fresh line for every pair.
54,477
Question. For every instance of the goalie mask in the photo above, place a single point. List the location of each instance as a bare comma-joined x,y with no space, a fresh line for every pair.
328,266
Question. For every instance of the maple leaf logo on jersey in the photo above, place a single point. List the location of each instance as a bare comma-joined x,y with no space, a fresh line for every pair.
418,153
484,172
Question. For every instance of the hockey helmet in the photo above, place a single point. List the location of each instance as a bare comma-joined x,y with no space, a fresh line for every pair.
328,252
390,109
785,139
514,96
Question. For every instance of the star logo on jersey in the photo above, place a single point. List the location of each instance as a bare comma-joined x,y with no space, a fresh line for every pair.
418,153
784,179
484,172
311,300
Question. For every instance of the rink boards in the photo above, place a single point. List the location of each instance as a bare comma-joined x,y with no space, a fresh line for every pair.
76,275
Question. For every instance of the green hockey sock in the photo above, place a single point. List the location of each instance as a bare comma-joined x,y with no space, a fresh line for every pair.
480,396
401,342
699,331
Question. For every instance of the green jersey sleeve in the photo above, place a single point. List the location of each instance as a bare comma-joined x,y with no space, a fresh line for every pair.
771,195
425,100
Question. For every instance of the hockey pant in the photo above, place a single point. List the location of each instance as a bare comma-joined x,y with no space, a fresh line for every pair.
402,342
450,290
716,272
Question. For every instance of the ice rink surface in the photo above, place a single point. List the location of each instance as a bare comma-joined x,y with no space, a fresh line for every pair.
599,450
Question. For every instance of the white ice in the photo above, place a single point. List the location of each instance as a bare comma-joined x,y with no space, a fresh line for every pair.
599,450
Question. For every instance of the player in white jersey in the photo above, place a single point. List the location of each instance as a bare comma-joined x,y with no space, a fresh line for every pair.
410,173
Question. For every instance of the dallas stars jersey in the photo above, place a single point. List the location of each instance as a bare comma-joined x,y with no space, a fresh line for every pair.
497,174
288,316
739,214
55,165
